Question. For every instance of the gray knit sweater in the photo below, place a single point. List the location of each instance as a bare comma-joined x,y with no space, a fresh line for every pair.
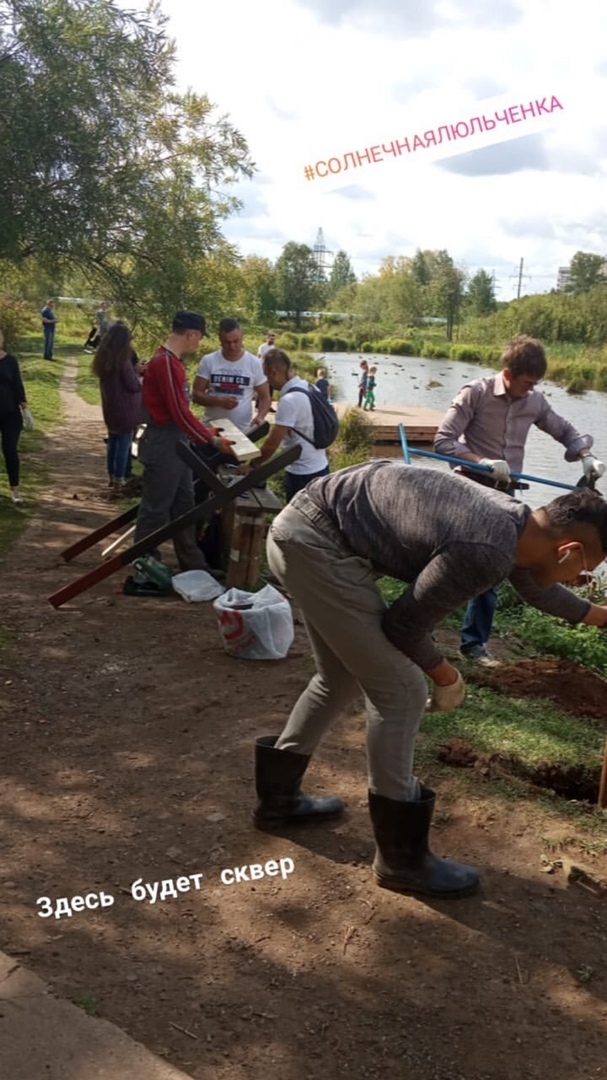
450,538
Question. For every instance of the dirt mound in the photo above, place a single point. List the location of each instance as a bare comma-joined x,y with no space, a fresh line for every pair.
572,687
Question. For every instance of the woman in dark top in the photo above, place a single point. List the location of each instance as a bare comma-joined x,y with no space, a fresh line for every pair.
120,398
12,402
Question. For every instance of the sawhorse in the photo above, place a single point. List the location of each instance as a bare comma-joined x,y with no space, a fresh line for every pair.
217,496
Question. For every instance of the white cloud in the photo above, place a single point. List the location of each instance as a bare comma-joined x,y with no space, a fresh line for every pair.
314,76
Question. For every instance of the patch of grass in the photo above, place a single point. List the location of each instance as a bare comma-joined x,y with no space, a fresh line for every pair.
87,384
547,636
86,1002
535,730
391,588
41,381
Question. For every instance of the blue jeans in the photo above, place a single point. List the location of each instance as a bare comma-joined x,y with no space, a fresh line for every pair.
478,620
295,482
49,337
118,450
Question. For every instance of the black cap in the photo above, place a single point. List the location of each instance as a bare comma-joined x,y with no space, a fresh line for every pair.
190,320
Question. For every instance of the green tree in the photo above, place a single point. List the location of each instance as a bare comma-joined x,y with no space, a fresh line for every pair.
297,280
403,295
447,289
480,294
419,267
586,270
257,289
341,274
107,170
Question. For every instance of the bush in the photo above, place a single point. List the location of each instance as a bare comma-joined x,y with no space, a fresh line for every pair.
16,318
305,365
465,353
287,341
400,347
326,343
367,347
431,351
476,354
355,435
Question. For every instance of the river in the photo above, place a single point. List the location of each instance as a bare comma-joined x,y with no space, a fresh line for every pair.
404,380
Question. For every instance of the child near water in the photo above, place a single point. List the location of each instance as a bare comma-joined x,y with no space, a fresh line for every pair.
371,384
362,382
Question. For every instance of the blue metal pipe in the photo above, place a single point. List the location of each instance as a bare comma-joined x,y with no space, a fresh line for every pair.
407,451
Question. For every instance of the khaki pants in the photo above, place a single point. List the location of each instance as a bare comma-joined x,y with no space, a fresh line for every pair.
343,611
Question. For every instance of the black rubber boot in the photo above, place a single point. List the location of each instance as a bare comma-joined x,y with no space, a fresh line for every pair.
278,774
403,861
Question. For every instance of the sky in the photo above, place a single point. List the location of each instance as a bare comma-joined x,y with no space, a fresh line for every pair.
307,79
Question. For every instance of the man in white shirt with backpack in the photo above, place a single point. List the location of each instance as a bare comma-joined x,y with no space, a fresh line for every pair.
300,421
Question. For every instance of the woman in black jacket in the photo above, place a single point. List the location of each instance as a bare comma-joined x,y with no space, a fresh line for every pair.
12,402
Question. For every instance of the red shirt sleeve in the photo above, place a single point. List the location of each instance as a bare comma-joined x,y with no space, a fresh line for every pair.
170,383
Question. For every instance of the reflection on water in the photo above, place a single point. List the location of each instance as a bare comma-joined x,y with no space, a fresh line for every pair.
408,380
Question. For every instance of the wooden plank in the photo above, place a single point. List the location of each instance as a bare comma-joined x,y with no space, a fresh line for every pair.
242,535
416,415
243,448
266,500
93,537
258,535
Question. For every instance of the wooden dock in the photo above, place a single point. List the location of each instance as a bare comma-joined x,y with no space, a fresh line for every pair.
420,426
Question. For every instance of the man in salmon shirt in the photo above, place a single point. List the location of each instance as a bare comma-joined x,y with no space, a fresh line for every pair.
168,489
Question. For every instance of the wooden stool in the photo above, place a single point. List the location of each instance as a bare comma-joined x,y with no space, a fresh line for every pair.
245,523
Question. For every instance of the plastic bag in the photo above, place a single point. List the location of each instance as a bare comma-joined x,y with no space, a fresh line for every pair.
196,586
255,626
28,419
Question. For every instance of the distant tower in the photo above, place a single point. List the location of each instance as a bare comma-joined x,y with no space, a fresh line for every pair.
321,254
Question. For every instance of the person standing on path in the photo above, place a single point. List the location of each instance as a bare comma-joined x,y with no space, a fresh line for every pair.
120,400
294,424
168,489
266,345
13,402
488,422
49,322
448,540
228,380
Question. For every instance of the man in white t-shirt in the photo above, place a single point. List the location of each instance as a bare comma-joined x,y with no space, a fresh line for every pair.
294,424
266,345
227,381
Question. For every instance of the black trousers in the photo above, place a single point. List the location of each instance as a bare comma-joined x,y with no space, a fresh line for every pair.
11,425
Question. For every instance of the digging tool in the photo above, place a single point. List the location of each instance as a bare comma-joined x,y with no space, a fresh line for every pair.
603,782
408,450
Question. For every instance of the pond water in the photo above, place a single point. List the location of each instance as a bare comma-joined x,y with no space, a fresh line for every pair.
404,380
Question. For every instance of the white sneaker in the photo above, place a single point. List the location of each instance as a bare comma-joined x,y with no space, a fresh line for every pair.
16,498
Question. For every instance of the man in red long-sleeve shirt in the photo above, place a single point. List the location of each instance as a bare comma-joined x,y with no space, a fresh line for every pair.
168,490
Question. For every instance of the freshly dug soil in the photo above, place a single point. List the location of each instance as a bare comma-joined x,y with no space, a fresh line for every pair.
570,782
572,687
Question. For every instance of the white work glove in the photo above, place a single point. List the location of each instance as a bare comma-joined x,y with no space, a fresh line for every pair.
445,698
593,468
500,469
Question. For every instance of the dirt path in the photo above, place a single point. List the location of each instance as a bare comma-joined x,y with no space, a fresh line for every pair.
127,753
